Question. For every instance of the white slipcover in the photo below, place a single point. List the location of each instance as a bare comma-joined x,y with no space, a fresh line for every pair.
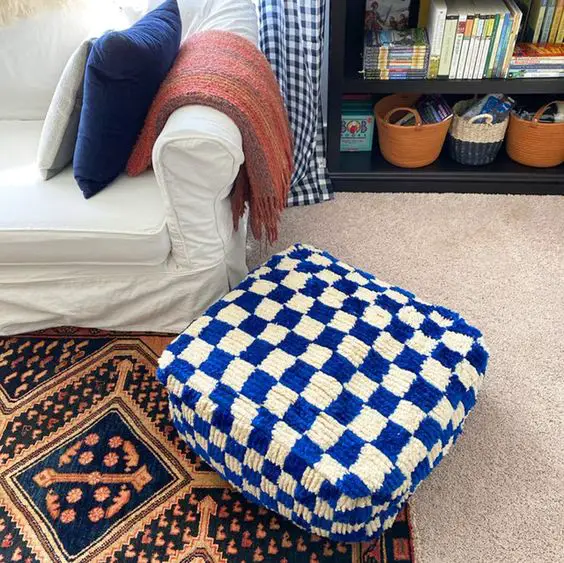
148,253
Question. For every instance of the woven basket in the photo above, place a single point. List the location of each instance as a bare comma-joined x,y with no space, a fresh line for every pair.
408,146
474,143
534,143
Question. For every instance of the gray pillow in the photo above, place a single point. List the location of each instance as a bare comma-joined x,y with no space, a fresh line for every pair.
58,136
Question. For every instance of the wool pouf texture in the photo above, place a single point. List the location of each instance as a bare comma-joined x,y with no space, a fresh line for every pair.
92,470
322,392
499,259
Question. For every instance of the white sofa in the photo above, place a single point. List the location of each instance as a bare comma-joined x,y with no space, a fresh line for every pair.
147,253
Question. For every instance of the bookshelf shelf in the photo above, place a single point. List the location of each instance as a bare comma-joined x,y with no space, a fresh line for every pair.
370,172
516,86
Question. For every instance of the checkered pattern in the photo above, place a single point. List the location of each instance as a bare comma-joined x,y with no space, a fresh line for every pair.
322,392
291,37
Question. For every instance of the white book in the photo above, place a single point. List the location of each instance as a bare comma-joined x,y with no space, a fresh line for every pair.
471,58
486,9
448,40
435,31
468,6
480,59
461,28
478,45
487,46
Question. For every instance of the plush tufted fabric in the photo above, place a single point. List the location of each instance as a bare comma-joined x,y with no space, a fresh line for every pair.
322,392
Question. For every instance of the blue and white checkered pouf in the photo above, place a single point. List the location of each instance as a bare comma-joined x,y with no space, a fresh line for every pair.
323,393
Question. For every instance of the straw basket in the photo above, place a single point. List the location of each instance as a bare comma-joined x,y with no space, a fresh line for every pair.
534,143
474,143
408,146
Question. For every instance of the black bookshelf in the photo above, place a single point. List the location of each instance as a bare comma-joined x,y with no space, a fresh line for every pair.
368,172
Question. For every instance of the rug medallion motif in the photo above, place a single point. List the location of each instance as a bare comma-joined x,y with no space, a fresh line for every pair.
91,468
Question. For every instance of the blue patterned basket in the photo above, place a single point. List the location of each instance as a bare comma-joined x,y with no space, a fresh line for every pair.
323,393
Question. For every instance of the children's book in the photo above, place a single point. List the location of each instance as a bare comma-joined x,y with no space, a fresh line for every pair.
381,15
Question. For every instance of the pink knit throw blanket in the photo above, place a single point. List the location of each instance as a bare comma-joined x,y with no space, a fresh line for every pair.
227,72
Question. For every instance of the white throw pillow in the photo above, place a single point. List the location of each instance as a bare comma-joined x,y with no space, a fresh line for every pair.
34,51
60,129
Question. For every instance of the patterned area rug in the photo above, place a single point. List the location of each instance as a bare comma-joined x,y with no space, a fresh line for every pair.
91,468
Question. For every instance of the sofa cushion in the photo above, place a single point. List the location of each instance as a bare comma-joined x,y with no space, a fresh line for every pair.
50,222
123,73
35,49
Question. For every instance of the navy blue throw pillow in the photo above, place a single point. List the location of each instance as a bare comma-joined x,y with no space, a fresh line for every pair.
123,73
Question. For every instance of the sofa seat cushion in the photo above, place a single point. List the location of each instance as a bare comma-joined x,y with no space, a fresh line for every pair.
51,222
323,393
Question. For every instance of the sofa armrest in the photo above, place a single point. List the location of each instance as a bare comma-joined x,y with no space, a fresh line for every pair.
196,159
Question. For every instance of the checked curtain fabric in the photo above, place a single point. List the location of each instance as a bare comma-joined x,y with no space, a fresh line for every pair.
291,37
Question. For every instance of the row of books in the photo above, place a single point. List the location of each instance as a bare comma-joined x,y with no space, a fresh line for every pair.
396,55
542,21
545,21
532,60
472,39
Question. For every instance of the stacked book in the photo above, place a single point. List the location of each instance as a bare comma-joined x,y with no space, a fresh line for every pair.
472,39
531,60
396,55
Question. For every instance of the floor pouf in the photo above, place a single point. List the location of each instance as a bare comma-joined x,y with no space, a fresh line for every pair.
323,393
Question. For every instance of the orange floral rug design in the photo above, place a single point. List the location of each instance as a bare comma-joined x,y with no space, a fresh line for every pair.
91,468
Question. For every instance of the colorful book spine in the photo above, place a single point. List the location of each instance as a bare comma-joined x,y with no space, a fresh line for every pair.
465,46
524,62
457,50
556,21
423,19
451,24
479,46
493,46
547,21
560,34
538,68
536,17
538,50
507,23
481,42
488,29
536,74
516,13
470,59
437,15
502,11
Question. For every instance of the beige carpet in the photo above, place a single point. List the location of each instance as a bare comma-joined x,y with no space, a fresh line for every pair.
499,260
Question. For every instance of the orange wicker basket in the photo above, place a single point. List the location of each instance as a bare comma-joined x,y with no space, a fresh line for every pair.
534,143
408,146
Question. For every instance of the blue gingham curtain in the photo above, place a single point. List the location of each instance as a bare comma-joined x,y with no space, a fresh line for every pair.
291,37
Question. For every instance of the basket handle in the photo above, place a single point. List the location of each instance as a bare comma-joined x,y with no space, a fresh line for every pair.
487,116
418,120
539,113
